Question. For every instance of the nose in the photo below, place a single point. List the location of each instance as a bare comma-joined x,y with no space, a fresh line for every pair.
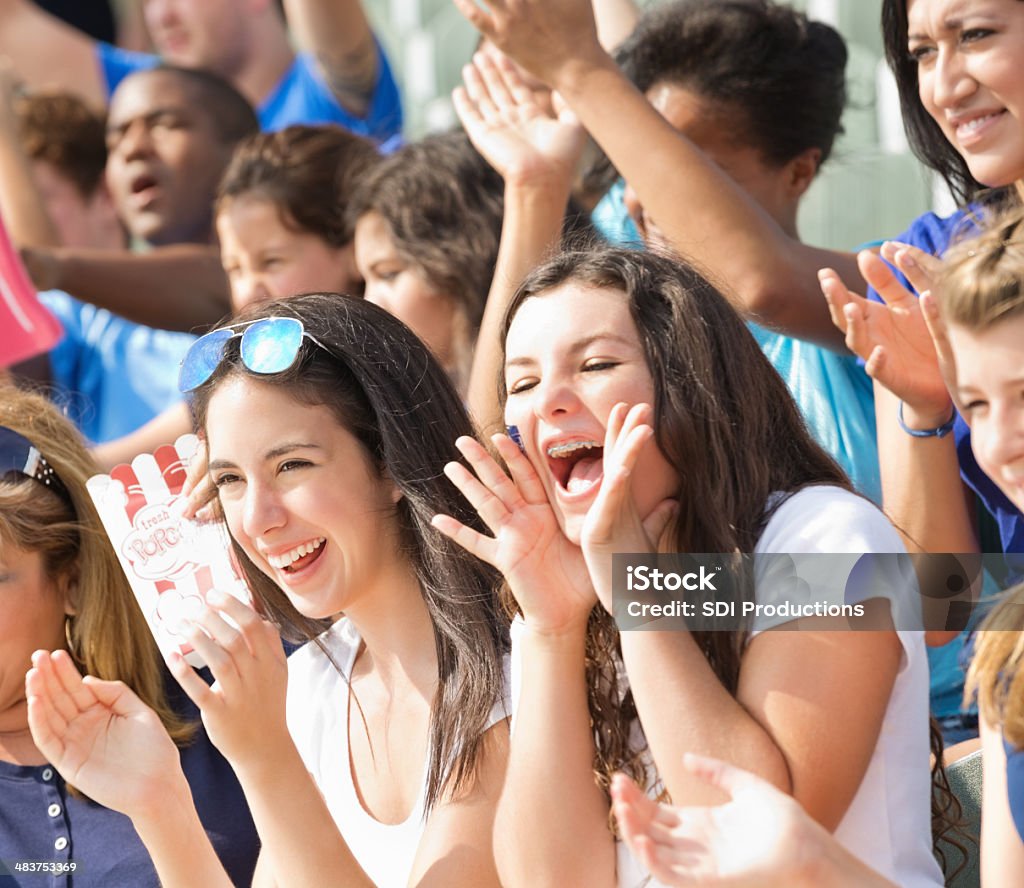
249,289
951,82
262,511
555,399
135,141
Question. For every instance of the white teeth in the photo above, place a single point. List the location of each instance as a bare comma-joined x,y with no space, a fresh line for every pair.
560,451
971,125
287,558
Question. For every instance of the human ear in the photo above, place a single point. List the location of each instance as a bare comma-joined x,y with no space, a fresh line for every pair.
801,171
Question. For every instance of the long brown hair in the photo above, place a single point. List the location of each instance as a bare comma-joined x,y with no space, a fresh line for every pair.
724,420
383,385
108,634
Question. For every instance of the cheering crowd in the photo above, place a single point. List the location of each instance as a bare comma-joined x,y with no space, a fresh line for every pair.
440,383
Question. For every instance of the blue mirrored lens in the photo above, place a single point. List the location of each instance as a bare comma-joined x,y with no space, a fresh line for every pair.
271,345
202,359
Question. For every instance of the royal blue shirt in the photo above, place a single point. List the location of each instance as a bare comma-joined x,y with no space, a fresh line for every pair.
302,96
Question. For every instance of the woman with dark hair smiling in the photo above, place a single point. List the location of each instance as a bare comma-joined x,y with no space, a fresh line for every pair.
650,421
383,763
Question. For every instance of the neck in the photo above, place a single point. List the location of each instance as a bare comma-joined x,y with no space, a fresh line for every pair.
397,634
16,743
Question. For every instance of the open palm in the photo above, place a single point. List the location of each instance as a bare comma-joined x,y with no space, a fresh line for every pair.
892,337
544,570
521,138
99,735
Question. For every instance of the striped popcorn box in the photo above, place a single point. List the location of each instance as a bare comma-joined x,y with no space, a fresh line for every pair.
171,562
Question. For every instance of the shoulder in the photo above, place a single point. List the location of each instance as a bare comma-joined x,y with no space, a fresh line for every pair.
933,233
330,655
823,518
116,63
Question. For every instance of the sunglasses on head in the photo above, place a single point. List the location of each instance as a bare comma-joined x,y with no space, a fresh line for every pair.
268,345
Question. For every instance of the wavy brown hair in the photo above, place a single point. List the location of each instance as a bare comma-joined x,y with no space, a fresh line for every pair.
724,420
307,172
109,635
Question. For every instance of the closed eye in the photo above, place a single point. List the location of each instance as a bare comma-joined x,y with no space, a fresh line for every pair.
522,385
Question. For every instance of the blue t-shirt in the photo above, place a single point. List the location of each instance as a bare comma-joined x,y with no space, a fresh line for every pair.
112,375
933,234
833,393
41,821
302,96
837,401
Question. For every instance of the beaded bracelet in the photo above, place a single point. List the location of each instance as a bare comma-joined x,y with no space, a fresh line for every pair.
939,432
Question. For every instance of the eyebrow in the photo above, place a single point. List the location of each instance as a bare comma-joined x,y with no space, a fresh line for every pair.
272,454
578,346
955,20
115,127
971,388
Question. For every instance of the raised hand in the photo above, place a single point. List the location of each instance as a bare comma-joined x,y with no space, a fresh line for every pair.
244,710
101,737
198,488
892,337
613,523
545,571
522,139
762,837
544,36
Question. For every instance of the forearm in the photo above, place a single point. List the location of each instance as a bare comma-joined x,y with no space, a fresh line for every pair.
178,844
838,868
552,821
164,429
685,708
170,288
767,274
615,21
530,232
338,33
46,52
922,493
300,840
24,213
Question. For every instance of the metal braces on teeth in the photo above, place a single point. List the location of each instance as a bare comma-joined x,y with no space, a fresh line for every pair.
563,450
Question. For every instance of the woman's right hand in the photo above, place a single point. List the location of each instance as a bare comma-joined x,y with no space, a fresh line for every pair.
545,571
101,737
524,141
891,337
198,488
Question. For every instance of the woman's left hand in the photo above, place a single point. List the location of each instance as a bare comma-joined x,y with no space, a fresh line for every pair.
613,524
244,710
